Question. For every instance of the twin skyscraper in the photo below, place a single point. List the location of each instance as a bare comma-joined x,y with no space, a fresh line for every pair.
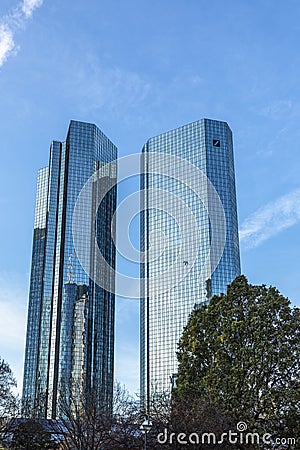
189,252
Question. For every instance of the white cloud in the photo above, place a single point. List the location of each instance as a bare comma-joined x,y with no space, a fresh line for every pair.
196,80
271,219
111,89
6,43
13,22
98,86
127,343
28,6
126,309
277,109
13,309
127,365
12,330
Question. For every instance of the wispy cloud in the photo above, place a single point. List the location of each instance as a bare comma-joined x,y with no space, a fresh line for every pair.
277,109
271,219
127,365
28,6
13,308
111,89
127,343
11,23
7,43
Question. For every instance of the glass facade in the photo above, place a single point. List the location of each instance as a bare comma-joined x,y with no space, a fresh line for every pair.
208,145
70,329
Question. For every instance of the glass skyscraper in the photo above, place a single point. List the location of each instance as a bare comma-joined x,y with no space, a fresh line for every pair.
70,329
207,144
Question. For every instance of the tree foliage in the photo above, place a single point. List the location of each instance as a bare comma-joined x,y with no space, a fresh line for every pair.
9,402
87,426
30,434
241,353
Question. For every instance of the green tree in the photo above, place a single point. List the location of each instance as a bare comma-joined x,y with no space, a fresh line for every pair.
241,353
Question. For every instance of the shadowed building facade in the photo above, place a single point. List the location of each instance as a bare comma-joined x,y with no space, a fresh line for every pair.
70,329
207,144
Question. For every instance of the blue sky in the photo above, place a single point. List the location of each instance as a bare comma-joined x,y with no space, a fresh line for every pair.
136,69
